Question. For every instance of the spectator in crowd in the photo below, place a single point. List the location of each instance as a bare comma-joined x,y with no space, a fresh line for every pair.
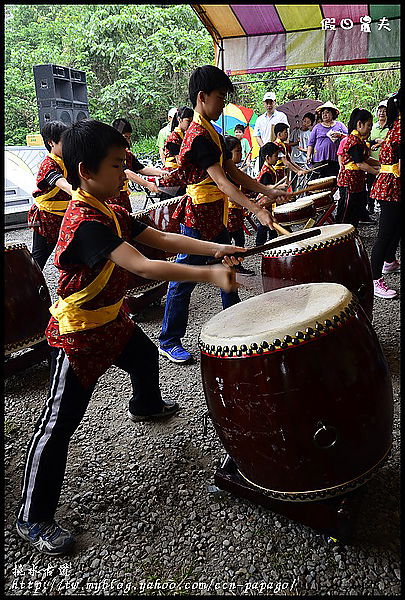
377,136
164,132
299,144
264,126
324,140
246,149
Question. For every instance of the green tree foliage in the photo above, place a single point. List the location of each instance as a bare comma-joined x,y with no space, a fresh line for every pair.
138,59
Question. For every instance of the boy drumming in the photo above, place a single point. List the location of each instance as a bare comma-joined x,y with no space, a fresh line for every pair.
51,197
89,329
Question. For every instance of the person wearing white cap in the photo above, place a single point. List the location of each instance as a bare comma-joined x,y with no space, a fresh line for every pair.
377,136
164,132
264,126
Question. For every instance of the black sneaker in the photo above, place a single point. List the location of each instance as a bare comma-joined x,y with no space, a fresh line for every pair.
169,408
47,537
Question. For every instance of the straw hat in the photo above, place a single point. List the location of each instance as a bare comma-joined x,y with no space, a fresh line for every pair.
327,105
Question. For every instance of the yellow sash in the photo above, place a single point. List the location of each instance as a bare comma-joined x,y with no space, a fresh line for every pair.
351,166
67,311
279,164
207,191
56,207
394,169
170,161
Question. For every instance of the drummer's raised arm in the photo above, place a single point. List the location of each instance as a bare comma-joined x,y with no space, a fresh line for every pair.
277,195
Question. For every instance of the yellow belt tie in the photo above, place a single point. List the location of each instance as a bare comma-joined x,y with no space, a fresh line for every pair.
351,166
68,311
56,207
171,162
394,169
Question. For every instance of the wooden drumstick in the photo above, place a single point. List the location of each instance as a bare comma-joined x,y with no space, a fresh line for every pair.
281,229
276,243
311,188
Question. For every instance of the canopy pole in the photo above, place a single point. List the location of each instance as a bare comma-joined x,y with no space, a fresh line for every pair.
221,56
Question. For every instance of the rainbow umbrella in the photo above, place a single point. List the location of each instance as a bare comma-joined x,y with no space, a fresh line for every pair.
234,115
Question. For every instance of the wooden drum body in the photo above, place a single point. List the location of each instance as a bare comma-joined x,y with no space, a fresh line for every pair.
299,391
321,200
293,213
141,291
336,255
27,299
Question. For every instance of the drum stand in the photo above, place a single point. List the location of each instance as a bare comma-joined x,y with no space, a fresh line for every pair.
35,354
334,517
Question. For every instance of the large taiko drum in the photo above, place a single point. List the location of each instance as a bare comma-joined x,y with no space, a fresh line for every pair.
299,391
293,213
142,292
336,255
159,215
27,299
321,200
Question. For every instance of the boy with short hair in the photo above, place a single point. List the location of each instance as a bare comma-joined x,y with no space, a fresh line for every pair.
51,197
133,167
204,164
299,144
267,176
246,149
89,329
284,159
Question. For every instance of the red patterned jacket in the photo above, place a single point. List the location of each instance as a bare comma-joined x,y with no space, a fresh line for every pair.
266,169
207,218
387,187
175,138
46,223
91,352
355,181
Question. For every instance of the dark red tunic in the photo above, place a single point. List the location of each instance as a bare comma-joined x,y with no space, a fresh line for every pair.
355,181
387,187
93,351
47,223
207,218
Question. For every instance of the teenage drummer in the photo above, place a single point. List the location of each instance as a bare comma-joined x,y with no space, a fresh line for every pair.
51,197
204,164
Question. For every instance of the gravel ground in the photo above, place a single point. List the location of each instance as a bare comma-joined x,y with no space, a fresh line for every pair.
136,495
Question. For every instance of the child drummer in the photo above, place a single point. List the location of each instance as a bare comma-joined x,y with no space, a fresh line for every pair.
267,176
204,165
89,329
51,197
285,162
133,167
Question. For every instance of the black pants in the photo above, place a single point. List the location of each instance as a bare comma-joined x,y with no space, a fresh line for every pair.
41,250
238,237
263,234
388,236
351,206
370,178
63,411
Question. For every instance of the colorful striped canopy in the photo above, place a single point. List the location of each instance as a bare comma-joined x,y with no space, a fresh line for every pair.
257,38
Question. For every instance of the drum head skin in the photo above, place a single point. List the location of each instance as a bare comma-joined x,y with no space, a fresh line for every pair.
290,207
275,315
329,233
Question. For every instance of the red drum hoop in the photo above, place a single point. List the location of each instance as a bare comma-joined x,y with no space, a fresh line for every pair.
337,255
299,391
27,299
293,213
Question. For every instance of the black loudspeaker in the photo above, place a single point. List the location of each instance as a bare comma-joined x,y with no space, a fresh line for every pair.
61,94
